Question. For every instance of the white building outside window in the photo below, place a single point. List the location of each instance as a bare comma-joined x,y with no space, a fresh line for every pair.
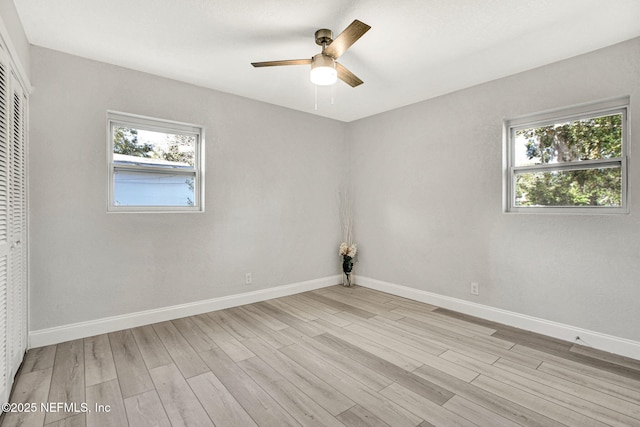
154,165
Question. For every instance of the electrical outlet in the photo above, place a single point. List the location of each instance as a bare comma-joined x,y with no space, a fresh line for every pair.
248,279
475,288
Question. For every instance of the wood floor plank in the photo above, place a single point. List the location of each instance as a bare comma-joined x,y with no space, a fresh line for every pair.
354,301
153,351
608,387
549,348
236,350
222,407
518,358
269,321
604,374
292,308
184,356
486,347
369,353
130,367
442,322
592,403
388,329
300,406
408,380
368,345
181,404
307,328
606,357
101,395
212,329
31,387
476,413
411,304
465,324
316,311
464,360
514,335
392,329
360,417
569,351
258,404
372,401
424,408
373,295
67,380
422,354
365,294
342,306
39,358
588,402
146,410
491,346
425,388
78,420
271,336
98,360
491,341
193,334
530,339
446,339
326,396
317,304
323,290
535,403
500,405
237,330
340,363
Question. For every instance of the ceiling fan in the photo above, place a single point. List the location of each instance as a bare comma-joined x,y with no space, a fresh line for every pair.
324,68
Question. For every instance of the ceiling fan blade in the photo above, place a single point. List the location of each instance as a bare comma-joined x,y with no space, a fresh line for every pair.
285,62
349,36
347,76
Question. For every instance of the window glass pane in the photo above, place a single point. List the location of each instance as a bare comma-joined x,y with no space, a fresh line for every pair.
572,141
135,188
167,149
155,165
587,187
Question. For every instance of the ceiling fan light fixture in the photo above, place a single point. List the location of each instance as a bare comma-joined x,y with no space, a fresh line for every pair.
323,70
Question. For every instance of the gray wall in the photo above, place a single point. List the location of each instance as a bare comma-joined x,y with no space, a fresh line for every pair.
272,179
428,184
426,181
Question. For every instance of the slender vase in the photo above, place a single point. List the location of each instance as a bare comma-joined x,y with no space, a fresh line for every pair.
348,279
347,270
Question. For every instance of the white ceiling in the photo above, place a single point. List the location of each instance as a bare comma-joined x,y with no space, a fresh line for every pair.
415,50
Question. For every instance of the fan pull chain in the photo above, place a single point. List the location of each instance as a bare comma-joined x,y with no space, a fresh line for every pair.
316,98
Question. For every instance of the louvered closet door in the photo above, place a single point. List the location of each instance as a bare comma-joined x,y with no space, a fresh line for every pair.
17,287
6,377
13,277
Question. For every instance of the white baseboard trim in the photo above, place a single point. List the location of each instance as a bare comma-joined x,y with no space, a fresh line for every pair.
58,334
608,343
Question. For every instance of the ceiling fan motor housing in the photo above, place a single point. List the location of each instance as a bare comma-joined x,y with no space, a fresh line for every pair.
324,37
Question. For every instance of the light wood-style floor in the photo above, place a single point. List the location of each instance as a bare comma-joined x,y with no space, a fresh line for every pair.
331,357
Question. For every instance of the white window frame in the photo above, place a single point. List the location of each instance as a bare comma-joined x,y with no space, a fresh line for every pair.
116,118
583,111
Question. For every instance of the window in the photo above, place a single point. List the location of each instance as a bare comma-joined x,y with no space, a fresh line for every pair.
154,165
568,161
